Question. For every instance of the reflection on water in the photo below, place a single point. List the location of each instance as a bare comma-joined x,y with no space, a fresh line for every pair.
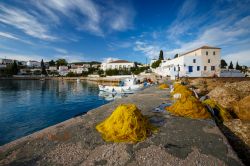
30,105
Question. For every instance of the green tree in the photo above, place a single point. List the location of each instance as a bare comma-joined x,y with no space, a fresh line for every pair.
161,57
231,66
100,72
223,64
176,55
14,68
238,67
52,63
61,62
156,64
44,72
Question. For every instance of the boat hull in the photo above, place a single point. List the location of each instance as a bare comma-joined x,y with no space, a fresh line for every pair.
121,89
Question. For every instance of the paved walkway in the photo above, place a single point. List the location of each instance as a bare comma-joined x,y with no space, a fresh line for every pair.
180,141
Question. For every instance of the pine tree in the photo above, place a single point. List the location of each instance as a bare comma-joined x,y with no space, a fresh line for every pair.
231,66
14,68
238,67
161,57
44,72
223,64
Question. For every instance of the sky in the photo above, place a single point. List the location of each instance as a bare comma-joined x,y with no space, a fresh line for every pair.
134,30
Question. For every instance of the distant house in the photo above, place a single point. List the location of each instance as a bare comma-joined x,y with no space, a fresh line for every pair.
118,64
6,61
35,64
201,62
63,70
78,69
53,68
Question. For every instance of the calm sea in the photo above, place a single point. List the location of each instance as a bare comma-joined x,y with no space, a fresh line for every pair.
27,106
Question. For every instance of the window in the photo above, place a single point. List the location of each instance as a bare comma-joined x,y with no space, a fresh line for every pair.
214,53
205,68
206,52
198,68
190,69
212,68
208,61
194,60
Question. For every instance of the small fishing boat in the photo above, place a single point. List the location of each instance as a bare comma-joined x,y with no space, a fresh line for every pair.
128,85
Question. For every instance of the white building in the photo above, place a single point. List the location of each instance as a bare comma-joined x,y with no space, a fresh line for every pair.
78,69
200,62
118,64
53,68
63,70
33,64
6,61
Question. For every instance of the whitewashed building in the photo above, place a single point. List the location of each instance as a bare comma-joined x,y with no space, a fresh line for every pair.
117,64
200,62
63,70
78,69
6,61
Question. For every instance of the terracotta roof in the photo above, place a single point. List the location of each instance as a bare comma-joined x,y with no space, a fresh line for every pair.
120,61
203,47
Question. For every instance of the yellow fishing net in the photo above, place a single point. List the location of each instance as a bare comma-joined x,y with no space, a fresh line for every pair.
224,115
189,107
163,86
181,89
125,124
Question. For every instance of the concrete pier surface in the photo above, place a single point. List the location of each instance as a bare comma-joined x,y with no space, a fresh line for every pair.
179,141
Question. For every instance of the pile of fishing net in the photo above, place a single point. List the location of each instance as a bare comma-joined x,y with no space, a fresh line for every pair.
221,112
125,124
187,105
182,90
163,86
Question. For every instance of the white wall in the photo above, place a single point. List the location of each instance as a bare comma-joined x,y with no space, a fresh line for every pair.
184,61
106,66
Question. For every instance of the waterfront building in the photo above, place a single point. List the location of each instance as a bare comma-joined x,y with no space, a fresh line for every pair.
35,64
117,64
53,68
201,62
78,69
63,70
6,61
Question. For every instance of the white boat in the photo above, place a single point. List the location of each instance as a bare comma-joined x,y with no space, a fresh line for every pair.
128,85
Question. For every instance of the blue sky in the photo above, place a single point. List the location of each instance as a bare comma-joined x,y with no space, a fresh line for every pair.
85,30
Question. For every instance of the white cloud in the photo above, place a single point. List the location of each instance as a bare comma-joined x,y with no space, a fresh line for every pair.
150,50
22,57
243,57
24,21
109,59
60,50
13,37
88,15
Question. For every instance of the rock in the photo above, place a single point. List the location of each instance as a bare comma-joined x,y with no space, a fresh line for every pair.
230,93
242,109
240,128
